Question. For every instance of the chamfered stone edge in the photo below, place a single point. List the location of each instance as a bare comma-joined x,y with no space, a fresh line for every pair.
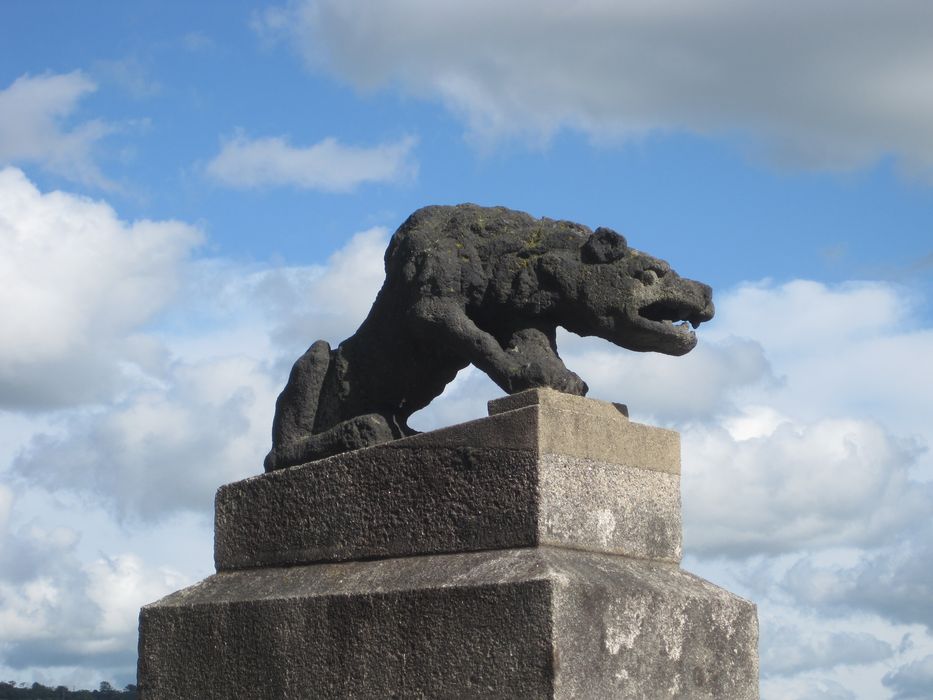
539,622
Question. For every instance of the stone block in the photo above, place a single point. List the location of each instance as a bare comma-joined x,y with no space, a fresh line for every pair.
603,507
528,623
544,468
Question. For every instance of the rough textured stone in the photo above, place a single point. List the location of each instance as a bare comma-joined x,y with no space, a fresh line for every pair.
535,505
604,507
486,286
560,470
548,398
379,503
530,623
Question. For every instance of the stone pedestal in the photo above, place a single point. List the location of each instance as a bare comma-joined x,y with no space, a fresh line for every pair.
530,554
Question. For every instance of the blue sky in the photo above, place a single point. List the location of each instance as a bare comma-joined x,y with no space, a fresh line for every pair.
190,194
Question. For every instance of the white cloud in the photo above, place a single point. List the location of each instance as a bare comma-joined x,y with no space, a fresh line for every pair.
850,350
913,681
275,313
121,585
670,390
786,650
6,507
58,611
29,553
781,316
32,114
328,165
79,284
803,486
172,436
80,614
833,86
162,449
805,689
896,582
336,301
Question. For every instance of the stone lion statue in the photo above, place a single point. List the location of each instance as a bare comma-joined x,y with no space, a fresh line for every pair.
483,286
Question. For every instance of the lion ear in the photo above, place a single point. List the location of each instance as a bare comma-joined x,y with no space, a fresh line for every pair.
603,246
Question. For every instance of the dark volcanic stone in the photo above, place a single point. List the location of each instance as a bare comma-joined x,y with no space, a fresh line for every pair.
486,286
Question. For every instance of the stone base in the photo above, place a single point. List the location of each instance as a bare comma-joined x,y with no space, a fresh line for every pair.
544,469
530,554
523,623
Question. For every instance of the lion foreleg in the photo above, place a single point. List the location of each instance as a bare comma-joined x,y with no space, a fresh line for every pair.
529,360
536,353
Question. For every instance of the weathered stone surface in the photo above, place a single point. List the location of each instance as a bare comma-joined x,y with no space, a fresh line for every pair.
548,398
611,508
560,470
486,286
528,623
520,590
379,503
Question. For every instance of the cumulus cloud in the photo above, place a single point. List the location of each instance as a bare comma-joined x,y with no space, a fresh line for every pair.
835,86
896,582
842,348
913,681
781,315
60,611
33,115
805,689
276,312
802,486
6,502
79,285
331,303
82,615
163,449
172,436
786,650
670,390
328,165
30,552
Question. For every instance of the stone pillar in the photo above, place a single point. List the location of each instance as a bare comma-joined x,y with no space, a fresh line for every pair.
531,554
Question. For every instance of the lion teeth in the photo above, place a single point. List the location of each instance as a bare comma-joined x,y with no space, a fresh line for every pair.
681,326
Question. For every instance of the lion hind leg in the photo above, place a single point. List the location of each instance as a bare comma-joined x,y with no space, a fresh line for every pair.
352,434
297,406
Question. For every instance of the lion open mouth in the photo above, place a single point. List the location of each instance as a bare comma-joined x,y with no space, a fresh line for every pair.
673,317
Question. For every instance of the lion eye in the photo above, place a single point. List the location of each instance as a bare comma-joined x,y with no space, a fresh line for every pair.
649,277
